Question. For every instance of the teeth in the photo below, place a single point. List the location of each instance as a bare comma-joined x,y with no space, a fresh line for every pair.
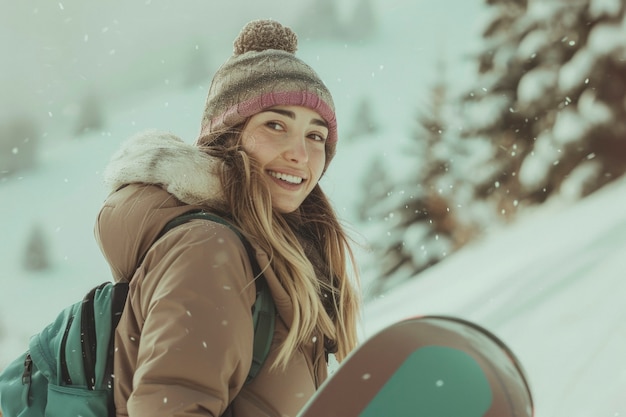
289,178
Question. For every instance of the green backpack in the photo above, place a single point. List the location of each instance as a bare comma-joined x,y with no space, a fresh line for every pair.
68,368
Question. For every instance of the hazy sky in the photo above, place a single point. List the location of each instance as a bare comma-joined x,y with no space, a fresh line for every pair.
56,53
55,50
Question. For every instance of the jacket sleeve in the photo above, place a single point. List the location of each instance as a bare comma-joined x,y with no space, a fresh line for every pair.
196,342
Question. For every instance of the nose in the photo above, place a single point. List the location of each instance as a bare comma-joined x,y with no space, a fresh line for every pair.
296,150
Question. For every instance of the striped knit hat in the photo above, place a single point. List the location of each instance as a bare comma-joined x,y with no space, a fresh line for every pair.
264,72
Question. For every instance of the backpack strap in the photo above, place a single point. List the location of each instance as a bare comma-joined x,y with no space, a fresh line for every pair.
119,293
263,310
89,340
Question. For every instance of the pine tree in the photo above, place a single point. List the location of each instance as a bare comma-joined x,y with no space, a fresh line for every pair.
587,138
549,100
320,20
363,24
19,146
375,185
490,109
36,256
424,215
91,115
364,120
197,68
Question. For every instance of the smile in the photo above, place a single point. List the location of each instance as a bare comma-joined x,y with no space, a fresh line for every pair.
292,179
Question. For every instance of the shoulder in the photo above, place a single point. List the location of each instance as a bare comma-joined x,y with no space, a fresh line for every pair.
203,245
204,226
204,236
199,258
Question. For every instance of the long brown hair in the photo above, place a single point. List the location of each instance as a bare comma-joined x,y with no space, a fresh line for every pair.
249,201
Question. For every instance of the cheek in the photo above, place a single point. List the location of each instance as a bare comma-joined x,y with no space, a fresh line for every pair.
248,143
255,147
318,163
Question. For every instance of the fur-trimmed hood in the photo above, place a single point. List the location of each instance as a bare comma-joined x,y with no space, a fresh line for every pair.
161,158
153,178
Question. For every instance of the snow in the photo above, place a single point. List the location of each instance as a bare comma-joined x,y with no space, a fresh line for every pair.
551,285
569,126
575,70
484,114
536,165
532,43
604,39
535,84
598,8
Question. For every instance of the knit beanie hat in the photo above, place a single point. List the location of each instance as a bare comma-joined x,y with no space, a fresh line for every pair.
264,72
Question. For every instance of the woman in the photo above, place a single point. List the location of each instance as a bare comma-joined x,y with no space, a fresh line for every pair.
184,342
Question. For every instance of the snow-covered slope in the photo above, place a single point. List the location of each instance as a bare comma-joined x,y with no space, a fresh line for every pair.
552,286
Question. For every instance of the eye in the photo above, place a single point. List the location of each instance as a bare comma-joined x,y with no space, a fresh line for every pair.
317,137
274,126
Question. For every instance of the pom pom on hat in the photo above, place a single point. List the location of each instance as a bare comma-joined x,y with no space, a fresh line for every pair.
260,35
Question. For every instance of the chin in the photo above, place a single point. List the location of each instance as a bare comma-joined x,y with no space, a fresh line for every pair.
286,208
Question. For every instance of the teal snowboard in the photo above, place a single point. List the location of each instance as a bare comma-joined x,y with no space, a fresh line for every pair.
430,366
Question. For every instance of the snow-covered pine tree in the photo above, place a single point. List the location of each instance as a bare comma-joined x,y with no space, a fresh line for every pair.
36,252
584,145
490,113
376,186
550,99
424,216
90,114
19,145
319,20
364,120
196,71
363,24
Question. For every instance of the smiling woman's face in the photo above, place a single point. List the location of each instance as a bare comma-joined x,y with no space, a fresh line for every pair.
289,142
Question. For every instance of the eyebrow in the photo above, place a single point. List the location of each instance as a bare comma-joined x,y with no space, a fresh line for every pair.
292,115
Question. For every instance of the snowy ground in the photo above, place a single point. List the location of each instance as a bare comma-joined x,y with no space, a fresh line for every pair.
551,285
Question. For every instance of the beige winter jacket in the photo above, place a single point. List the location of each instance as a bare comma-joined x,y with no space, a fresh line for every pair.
184,342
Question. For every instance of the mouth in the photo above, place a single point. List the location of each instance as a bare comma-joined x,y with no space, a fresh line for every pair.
290,179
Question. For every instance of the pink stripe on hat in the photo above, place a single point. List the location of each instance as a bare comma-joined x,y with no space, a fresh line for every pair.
239,112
